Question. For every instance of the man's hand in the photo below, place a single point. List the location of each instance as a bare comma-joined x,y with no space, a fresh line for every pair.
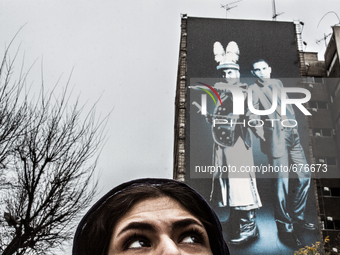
258,130
260,133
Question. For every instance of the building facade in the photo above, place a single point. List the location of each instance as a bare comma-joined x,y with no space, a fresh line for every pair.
320,78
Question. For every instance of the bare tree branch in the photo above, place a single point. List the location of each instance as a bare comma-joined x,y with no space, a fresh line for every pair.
48,154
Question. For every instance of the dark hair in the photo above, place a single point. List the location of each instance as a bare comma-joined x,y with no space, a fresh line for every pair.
258,60
94,233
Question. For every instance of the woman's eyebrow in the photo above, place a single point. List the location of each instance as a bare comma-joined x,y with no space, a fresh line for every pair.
185,223
137,226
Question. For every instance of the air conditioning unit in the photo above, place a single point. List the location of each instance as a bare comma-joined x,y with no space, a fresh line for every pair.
321,160
325,188
314,109
311,86
329,218
317,134
333,132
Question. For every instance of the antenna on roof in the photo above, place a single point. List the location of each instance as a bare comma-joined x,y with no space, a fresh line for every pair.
323,39
327,14
324,35
227,7
275,14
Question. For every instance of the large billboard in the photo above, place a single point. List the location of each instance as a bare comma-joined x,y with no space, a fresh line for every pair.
246,140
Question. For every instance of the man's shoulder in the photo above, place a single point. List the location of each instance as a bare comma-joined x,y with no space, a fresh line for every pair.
277,81
255,86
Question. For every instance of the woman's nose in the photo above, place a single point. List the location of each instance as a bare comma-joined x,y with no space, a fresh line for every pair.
167,246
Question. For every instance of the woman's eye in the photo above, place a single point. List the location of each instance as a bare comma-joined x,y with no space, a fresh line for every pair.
138,244
190,239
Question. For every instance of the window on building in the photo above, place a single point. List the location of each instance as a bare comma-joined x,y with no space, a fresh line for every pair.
327,160
318,79
317,105
322,105
336,224
310,79
328,192
323,132
323,191
323,225
326,132
335,192
328,222
331,161
314,79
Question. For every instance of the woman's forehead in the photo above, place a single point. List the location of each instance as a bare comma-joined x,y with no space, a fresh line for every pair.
156,211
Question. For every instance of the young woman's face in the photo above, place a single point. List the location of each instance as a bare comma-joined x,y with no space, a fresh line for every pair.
159,226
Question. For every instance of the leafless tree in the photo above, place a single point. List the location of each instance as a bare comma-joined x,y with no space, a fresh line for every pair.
13,111
50,157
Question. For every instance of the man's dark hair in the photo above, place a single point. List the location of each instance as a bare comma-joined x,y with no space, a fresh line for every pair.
258,60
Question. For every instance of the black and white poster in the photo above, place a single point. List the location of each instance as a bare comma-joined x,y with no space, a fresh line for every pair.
247,142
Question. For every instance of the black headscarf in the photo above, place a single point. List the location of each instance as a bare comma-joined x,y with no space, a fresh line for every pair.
216,241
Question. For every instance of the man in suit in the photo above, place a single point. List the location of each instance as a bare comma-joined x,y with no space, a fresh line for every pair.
282,146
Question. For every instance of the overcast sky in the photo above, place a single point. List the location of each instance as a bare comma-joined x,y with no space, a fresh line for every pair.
126,52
